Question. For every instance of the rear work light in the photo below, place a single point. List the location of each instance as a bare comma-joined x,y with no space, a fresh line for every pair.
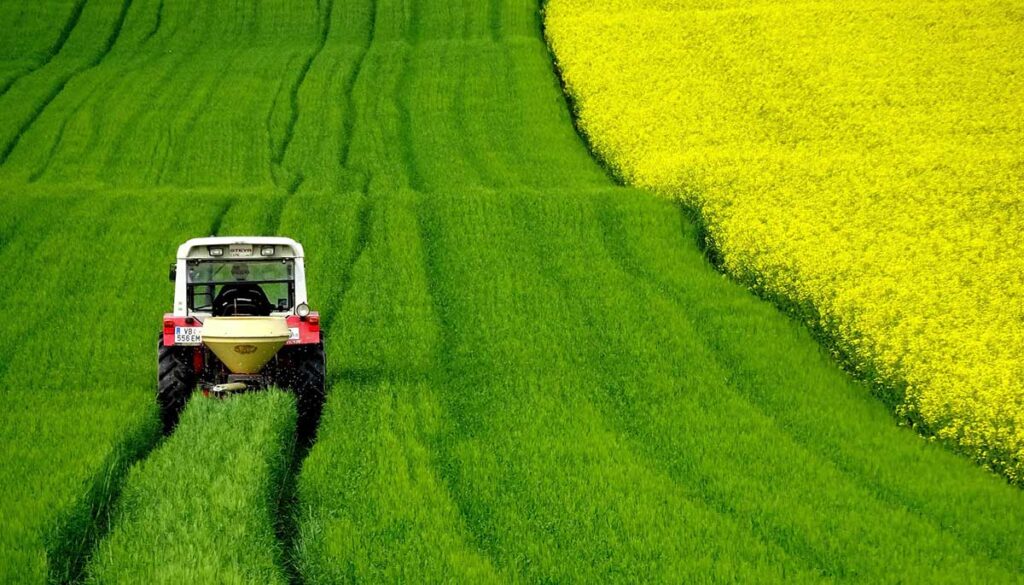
267,251
216,251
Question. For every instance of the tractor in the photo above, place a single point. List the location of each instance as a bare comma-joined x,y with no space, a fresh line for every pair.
241,322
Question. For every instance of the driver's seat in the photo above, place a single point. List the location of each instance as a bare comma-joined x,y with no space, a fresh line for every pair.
241,299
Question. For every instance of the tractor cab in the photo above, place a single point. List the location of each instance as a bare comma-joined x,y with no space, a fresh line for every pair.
225,277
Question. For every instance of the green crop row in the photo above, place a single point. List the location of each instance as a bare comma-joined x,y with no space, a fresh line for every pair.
65,455
567,430
203,507
76,365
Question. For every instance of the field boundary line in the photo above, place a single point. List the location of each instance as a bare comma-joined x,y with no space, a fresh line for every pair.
629,265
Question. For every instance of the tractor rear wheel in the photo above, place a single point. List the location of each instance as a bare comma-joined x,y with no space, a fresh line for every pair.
175,382
306,377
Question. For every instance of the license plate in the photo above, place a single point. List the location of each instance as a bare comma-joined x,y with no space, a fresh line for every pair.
188,335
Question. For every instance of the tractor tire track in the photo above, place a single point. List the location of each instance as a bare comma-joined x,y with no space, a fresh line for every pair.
792,542
278,157
442,464
495,16
403,99
153,94
115,34
356,179
74,536
630,266
204,102
156,24
493,165
709,499
352,179
218,219
288,510
364,227
789,538
59,139
37,174
55,49
460,114
269,126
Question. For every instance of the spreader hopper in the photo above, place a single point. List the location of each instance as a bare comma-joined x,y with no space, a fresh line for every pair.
245,344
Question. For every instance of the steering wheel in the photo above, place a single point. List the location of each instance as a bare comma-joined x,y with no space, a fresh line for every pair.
241,299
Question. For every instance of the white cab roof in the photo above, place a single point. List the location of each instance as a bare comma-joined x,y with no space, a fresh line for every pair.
185,249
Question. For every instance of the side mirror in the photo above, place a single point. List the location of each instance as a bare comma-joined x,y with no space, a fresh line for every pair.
173,274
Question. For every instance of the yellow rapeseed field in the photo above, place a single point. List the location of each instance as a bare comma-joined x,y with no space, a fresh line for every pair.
860,160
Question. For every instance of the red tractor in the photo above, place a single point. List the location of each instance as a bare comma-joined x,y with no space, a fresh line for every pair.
240,322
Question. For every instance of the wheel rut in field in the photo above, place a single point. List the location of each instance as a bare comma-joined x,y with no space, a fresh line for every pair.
288,509
75,534
55,49
789,428
157,22
356,179
293,178
38,110
184,490
55,146
478,537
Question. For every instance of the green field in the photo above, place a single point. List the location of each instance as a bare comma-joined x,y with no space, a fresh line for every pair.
535,374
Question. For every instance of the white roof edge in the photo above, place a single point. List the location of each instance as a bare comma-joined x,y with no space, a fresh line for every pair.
227,240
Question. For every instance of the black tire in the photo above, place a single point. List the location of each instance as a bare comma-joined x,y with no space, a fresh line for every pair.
306,376
175,381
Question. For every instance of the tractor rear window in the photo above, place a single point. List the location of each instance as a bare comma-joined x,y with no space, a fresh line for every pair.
269,283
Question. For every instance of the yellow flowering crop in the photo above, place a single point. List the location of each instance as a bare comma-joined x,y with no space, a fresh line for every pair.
862,159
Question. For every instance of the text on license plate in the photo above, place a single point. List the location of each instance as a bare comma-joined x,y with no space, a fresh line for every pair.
188,335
